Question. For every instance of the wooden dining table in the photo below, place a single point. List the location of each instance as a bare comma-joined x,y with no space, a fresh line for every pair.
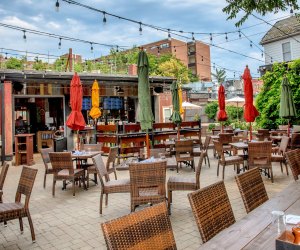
255,230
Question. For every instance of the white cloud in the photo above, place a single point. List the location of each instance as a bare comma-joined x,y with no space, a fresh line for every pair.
13,20
54,25
39,18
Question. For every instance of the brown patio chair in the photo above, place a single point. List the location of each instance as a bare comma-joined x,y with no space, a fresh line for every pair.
212,210
234,160
108,186
259,155
149,228
178,183
293,159
225,139
147,183
2,178
184,153
295,141
252,189
63,169
198,145
206,146
18,210
45,156
90,167
263,134
278,153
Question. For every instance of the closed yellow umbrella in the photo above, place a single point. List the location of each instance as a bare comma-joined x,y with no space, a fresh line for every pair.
181,110
95,111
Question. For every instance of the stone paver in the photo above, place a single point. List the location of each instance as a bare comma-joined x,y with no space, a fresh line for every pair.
65,222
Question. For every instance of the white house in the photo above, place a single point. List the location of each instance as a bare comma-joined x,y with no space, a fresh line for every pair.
282,42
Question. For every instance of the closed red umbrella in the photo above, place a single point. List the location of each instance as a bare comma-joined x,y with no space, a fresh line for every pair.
222,116
75,120
250,112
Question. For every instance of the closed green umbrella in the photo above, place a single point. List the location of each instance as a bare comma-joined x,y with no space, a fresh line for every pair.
175,117
145,115
287,106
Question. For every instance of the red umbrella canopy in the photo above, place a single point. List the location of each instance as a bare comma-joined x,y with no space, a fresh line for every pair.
75,120
222,116
250,112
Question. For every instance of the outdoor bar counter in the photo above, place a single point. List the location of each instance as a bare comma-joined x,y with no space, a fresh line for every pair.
129,138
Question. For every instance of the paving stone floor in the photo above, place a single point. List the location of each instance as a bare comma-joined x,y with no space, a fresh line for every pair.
65,222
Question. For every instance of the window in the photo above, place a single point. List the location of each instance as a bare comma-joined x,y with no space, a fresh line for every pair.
167,114
286,52
165,45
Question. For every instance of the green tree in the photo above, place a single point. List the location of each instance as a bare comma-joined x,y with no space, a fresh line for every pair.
211,110
174,68
14,63
260,6
268,100
220,75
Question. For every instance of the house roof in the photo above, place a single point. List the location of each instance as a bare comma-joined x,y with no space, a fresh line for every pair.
282,29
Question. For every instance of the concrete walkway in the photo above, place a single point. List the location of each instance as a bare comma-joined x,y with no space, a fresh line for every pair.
65,222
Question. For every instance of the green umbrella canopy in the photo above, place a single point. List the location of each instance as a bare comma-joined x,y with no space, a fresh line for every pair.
175,117
287,105
145,115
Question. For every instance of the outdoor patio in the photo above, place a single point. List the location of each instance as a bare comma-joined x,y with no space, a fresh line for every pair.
65,222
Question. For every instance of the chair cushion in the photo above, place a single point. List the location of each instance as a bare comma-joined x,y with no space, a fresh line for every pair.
65,172
181,183
118,186
10,211
277,158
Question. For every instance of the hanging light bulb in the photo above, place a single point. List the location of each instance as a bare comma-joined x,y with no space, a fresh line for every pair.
140,29
193,38
214,65
5,56
210,37
92,49
291,11
117,49
104,18
251,44
240,35
24,35
226,37
158,51
233,74
57,6
59,43
169,35
175,49
271,59
262,54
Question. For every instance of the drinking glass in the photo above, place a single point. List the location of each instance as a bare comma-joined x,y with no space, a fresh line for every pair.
162,156
278,221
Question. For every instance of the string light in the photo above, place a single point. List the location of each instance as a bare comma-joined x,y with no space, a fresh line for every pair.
57,6
202,58
140,29
251,44
169,35
117,49
104,18
226,37
240,35
158,51
193,38
92,49
175,49
59,43
24,35
5,56
210,37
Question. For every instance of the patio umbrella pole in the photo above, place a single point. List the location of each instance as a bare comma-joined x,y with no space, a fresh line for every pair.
250,130
288,130
147,144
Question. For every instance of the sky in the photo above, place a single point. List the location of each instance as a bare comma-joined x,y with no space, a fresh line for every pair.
198,16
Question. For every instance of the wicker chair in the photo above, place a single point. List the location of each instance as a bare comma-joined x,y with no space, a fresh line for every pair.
2,178
228,160
108,186
45,156
198,142
62,165
148,183
18,210
295,141
157,152
293,158
212,210
225,139
259,155
278,154
149,228
90,168
177,183
252,189
184,153
263,135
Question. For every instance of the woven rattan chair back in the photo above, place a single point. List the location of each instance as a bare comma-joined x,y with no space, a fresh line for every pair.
147,183
157,152
184,147
219,149
60,161
3,174
92,147
26,184
149,228
225,138
295,141
198,169
101,169
212,210
259,154
252,189
45,156
293,158
2,178
206,143
111,159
